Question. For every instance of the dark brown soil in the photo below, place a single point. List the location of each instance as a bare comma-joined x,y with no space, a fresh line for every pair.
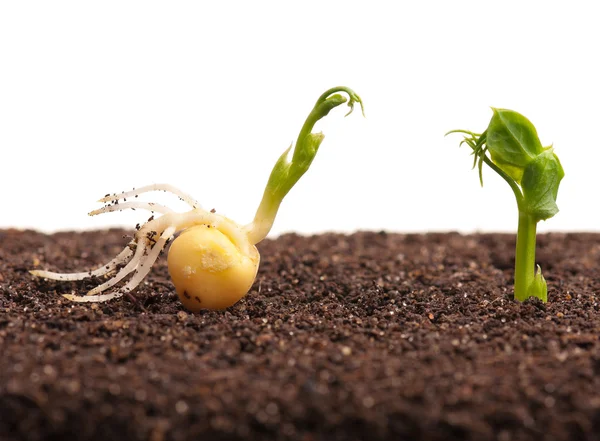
371,336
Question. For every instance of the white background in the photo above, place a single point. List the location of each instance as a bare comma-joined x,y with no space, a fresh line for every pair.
97,97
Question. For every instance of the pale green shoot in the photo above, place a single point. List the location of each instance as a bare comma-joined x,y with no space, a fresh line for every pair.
286,171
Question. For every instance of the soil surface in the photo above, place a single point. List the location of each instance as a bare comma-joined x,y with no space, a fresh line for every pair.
371,336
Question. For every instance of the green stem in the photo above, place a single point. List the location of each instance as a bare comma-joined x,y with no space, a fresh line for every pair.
525,256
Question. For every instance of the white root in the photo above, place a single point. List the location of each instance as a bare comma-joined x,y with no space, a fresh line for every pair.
122,257
150,206
154,187
140,265
123,272
142,269
94,299
147,261
149,241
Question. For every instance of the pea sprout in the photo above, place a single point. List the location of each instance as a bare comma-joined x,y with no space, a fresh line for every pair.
214,261
533,172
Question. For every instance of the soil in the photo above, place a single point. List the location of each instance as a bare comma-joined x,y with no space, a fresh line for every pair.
370,336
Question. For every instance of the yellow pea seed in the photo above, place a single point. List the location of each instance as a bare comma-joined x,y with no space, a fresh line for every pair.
208,270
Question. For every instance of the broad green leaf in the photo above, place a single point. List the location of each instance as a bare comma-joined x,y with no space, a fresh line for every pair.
540,183
512,141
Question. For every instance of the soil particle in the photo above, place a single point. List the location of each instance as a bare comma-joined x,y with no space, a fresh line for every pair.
371,336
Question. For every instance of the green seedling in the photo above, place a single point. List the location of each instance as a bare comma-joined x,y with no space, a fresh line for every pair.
214,261
533,173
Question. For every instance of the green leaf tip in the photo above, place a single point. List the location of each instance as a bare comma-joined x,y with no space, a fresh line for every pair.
538,287
287,171
330,99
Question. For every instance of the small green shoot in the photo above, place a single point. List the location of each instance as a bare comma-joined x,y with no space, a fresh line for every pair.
533,172
286,172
